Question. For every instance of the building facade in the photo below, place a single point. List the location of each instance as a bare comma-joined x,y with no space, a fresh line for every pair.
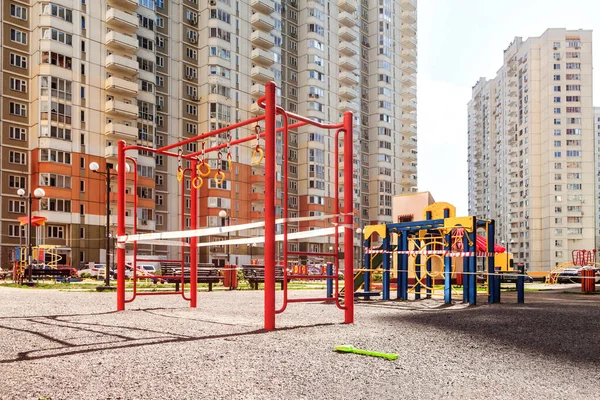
532,148
597,171
79,76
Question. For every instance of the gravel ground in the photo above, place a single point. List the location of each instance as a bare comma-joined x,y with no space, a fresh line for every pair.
72,345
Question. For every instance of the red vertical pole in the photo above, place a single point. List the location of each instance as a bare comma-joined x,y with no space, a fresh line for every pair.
348,220
121,182
193,242
270,206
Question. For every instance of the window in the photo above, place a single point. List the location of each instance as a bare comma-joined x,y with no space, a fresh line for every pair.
57,36
16,206
58,12
18,85
18,36
16,230
556,121
17,133
557,143
16,182
16,157
18,61
55,180
573,153
557,77
573,65
147,3
57,59
145,43
56,156
18,109
56,232
18,12
573,77
146,22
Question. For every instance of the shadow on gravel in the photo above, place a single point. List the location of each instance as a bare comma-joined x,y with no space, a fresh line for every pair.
127,337
565,327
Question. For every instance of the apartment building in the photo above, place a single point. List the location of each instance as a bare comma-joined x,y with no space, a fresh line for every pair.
81,75
532,148
597,172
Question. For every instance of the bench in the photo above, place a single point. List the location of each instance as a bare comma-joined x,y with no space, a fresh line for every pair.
255,274
54,273
207,273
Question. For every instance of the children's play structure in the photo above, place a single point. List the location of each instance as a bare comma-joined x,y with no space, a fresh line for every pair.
433,249
263,127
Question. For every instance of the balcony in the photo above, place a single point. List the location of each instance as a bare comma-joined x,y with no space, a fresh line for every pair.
257,90
119,108
128,220
409,5
263,6
129,5
410,130
261,74
409,93
120,131
349,78
111,151
348,34
146,224
256,110
121,86
263,57
408,17
408,29
348,5
347,19
118,41
409,80
408,42
348,49
410,155
257,179
262,22
116,63
348,93
409,68
348,63
408,118
117,19
348,106
261,39
409,55
257,197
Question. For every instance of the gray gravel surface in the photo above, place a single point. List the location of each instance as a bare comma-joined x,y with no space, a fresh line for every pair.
73,345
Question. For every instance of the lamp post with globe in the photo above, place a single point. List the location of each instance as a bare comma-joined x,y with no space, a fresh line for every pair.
38,194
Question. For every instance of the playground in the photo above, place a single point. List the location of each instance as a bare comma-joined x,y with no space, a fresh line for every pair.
62,345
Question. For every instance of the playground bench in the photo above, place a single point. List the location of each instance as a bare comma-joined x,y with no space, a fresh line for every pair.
54,273
255,274
207,273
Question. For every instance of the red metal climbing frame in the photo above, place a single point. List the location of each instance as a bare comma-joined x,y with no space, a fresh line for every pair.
268,102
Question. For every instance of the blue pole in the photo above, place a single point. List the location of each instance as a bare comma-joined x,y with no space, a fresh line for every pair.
494,295
366,266
466,268
428,280
329,272
448,271
386,267
473,265
521,284
403,245
418,261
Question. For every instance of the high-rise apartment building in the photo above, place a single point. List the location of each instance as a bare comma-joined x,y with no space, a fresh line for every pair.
597,171
81,75
531,148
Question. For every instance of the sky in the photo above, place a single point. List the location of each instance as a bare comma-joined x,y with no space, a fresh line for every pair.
460,41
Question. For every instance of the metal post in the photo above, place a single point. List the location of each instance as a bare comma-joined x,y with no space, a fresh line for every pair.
465,276
494,292
521,284
269,301
193,243
348,217
121,182
29,243
329,272
473,265
402,287
448,271
385,285
107,269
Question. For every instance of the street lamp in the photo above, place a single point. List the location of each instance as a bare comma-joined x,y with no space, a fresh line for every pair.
252,246
224,216
38,193
94,167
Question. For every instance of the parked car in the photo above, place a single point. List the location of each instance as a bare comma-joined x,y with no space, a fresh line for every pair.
97,271
512,278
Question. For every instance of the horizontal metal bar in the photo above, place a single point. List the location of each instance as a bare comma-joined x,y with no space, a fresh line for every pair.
307,300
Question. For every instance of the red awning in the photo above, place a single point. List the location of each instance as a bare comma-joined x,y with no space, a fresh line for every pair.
481,242
36,221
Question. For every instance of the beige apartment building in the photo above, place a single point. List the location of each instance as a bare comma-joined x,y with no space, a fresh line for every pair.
80,75
597,172
532,148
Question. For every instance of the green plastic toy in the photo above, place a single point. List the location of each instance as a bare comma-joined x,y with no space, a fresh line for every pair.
347,348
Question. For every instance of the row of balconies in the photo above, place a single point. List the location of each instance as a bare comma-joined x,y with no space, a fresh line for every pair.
128,5
408,42
409,55
121,20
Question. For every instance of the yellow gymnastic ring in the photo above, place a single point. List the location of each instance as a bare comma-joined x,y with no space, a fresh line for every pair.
179,174
199,169
197,182
229,162
221,175
257,156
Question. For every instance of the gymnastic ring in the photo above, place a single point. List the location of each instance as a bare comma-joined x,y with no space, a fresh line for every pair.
257,156
229,161
197,182
179,174
199,169
217,175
